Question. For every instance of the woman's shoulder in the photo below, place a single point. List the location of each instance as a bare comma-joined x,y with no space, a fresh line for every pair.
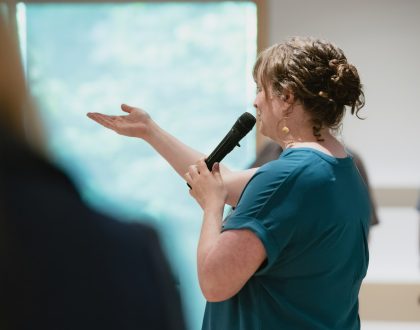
304,155
291,159
276,171
301,164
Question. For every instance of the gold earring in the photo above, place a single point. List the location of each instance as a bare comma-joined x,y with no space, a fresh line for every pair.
285,129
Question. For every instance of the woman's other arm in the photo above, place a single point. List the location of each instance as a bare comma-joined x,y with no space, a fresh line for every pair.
227,260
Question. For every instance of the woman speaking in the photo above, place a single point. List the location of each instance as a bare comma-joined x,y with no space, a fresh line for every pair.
293,253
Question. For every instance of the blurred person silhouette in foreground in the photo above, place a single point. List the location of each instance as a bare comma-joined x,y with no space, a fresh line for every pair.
294,251
63,265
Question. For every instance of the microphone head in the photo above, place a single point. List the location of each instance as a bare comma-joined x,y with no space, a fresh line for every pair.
245,123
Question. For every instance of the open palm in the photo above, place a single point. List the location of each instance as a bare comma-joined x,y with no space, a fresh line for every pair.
134,124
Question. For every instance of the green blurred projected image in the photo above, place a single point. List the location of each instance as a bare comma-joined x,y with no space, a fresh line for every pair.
188,64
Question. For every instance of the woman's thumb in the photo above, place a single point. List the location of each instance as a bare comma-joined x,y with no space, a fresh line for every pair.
216,168
126,108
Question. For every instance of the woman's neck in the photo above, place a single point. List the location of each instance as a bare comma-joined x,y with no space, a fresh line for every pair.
326,143
300,132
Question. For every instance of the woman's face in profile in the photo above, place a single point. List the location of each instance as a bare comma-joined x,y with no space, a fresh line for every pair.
268,113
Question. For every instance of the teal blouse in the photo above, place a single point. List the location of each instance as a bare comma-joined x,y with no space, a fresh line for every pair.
311,211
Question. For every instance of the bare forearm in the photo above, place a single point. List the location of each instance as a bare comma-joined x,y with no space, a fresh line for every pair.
210,232
180,156
176,153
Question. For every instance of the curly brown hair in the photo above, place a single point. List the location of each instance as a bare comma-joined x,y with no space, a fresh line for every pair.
317,73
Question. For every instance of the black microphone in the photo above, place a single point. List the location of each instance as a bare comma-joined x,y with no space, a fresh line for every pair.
243,125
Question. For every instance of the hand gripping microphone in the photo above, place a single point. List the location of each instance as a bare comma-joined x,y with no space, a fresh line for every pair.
243,125
241,128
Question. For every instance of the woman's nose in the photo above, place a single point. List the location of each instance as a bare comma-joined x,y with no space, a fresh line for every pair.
255,104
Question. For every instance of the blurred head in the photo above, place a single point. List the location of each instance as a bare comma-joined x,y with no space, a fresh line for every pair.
16,106
13,95
318,76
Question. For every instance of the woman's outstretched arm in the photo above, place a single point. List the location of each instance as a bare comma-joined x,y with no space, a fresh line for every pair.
138,123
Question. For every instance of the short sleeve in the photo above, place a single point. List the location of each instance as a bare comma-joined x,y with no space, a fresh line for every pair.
264,209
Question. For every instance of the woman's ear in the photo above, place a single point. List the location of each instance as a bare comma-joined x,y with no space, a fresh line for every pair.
287,96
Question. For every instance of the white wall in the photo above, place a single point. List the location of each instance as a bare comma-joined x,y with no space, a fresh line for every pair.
382,38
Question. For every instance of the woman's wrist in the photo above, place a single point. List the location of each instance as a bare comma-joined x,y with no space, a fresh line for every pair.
214,210
150,131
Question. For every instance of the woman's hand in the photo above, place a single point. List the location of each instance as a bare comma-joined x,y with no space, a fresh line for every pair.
206,187
135,124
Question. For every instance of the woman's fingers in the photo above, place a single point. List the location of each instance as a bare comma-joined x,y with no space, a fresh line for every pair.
216,170
193,171
202,166
188,178
96,116
191,175
103,120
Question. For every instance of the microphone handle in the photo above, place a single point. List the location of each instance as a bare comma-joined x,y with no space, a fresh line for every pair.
224,147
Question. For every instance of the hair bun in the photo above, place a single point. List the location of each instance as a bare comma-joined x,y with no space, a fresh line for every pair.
345,84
